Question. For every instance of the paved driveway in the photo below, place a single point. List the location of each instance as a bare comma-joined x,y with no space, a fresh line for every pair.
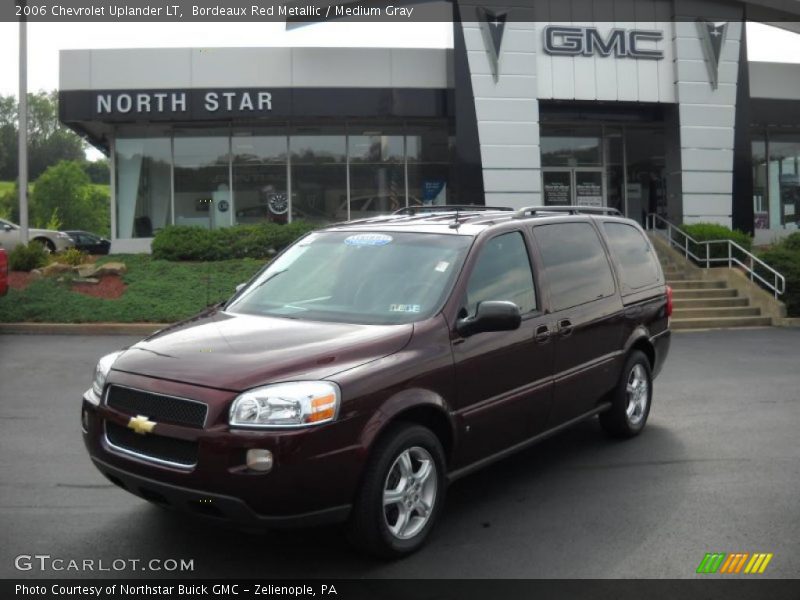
718,469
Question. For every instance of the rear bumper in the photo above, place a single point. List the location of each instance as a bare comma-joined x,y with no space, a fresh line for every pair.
661,342
212,505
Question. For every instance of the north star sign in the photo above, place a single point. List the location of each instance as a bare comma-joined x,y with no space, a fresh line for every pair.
588,41
176,103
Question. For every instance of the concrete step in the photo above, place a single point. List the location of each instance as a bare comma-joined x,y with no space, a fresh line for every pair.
704,293
720,322
695,284
704,312
675,276
710,303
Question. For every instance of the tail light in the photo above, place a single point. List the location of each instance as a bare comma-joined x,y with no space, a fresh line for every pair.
669,301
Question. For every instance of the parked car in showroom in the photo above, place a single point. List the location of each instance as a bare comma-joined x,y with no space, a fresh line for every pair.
91,243
373,362
3,272
53,241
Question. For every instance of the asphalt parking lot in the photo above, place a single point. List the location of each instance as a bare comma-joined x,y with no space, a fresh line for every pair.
717,470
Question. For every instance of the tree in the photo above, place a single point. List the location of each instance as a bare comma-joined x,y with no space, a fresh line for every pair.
67,189
48,140
98,170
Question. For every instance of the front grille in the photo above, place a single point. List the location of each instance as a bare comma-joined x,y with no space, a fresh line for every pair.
154,447
157,407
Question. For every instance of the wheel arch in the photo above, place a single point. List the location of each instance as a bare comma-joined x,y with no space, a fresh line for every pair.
419,406
640,340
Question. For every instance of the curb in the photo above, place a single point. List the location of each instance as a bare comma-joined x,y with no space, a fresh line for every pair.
80,328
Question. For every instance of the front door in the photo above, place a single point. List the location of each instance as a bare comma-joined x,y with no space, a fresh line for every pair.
504,378
573,186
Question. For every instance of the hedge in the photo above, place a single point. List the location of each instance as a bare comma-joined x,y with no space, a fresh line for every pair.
784,257
181,242
27,257
703,232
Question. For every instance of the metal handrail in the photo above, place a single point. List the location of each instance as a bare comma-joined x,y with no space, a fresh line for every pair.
778,284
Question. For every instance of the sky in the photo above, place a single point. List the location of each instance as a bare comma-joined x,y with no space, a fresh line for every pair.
764,43
46,39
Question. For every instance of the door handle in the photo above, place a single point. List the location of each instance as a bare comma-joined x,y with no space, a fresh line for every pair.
542,334
564,327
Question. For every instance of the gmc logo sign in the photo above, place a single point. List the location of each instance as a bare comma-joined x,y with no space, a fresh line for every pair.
588,41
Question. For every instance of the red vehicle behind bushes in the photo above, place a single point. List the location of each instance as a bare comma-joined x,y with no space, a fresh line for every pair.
3,272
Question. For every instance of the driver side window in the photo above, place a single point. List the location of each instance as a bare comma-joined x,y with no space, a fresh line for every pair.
502,272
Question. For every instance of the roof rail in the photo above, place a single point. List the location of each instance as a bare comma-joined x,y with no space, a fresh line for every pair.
433,208
572,210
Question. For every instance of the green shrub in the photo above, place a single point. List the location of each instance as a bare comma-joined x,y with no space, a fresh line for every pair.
792,242
27,257
785,258
242,241
72,256
703,232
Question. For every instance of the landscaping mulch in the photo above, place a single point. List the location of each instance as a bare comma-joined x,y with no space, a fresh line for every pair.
18,280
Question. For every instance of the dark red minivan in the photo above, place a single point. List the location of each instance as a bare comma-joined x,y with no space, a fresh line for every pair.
373,362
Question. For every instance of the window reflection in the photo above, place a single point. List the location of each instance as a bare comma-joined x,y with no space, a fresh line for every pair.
202,180
260,179
143,185
319,176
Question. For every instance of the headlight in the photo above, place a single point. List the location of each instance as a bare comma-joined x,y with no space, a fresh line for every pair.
63,235
101,372
294,404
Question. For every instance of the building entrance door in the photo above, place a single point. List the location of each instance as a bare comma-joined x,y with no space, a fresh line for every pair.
573,186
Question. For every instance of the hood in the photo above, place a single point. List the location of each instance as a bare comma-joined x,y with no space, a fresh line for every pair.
239,352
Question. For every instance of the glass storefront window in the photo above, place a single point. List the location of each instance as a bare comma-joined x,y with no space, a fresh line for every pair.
784,180
319,175
429,149
143,185
377,174
646,168
571,147
260,177
202,180
761,211
217,177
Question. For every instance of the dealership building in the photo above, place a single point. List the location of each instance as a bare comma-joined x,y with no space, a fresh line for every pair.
662,114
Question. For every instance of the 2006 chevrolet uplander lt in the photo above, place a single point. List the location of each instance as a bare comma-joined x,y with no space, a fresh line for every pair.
372,362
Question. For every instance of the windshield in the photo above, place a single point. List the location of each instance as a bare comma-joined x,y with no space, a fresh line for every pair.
375,278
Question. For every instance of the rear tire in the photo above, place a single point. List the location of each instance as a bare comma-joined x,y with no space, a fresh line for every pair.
631,399
401,494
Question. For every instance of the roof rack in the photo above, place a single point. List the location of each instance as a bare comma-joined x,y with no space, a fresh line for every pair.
434,208
571,210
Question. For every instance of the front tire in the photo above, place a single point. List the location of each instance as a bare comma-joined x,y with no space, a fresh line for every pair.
631,399
401,494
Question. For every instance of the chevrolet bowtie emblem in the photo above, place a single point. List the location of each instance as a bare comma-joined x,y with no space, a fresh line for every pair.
141,424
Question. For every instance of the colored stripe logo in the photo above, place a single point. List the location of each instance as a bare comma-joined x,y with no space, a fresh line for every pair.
734,563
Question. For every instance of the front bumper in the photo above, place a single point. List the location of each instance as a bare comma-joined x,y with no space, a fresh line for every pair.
212,505
314,477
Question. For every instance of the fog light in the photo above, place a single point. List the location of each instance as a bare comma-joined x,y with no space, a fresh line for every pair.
259,460
85,420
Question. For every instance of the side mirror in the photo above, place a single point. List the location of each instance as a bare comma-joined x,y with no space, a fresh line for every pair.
7,227
492,315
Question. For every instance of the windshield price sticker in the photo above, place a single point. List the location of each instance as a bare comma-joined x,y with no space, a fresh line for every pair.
405,308
368,239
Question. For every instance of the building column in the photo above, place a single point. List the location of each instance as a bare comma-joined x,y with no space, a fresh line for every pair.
507,112
707,119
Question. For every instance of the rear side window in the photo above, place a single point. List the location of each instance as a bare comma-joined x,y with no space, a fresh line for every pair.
634,254
502,272
575,263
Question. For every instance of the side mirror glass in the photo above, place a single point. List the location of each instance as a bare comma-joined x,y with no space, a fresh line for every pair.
491,315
